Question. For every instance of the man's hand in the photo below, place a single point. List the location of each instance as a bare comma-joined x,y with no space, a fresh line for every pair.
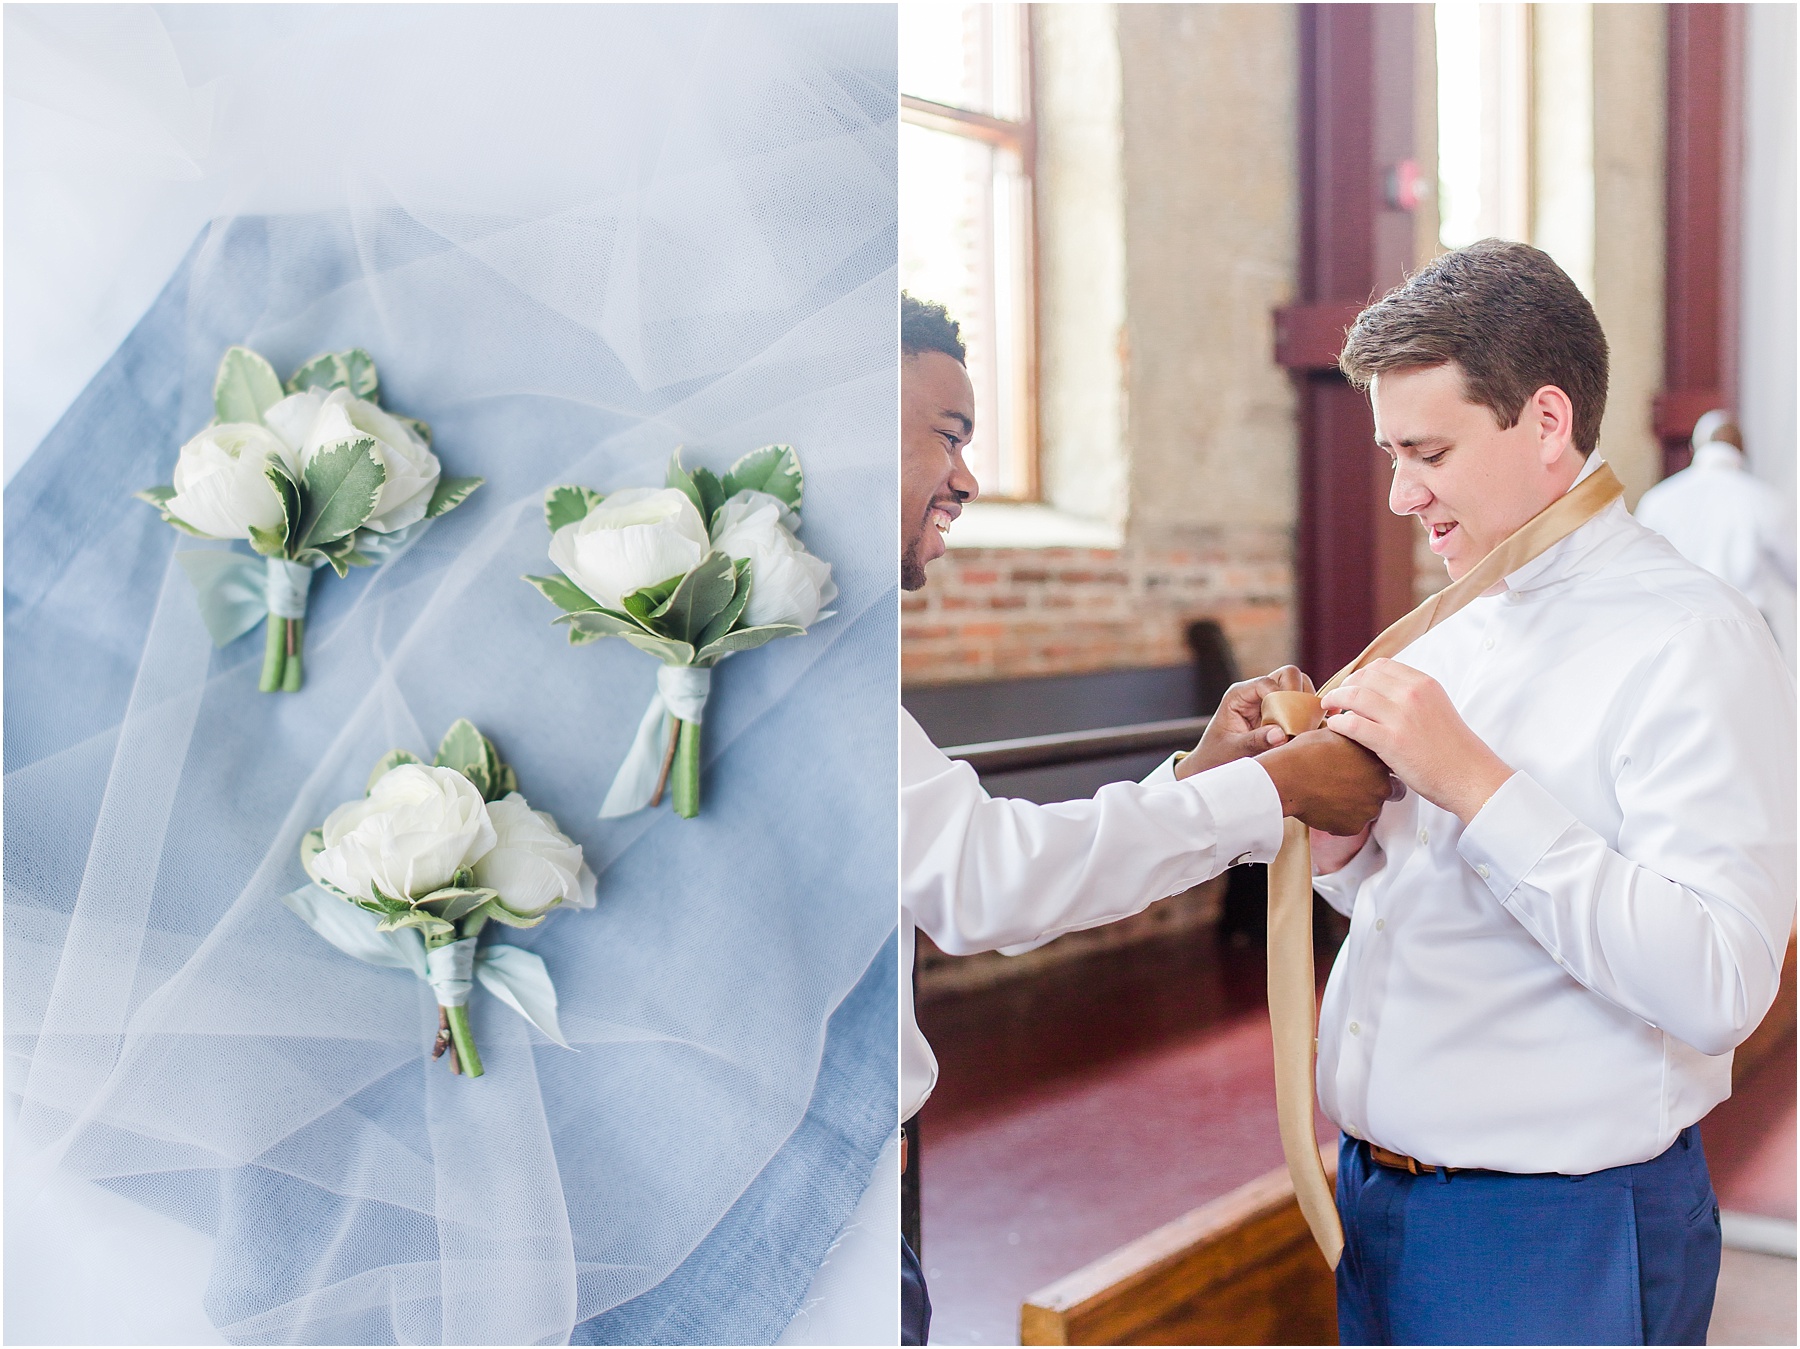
1236,730
1328,781
1406,717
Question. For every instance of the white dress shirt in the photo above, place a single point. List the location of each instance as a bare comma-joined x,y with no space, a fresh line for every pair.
1559,986
1734,524
980,873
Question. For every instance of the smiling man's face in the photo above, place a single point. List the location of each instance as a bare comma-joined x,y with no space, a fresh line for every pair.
1470,482
937,418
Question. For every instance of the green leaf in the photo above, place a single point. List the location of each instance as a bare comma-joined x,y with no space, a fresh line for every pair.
429,924
245,387
664,649
712,495
509,782
359,366
682,479
733,611
473,755
456,902
386,764
641,604
185,527
343,482
564,594
774,469
342,555
420,429
388,904
702,595
599,623
268,542
288,491
310,847
566,505
745,639
581,636
449,494
501,914
156,496
353,370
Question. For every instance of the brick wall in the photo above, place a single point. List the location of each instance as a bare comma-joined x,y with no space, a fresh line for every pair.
996,613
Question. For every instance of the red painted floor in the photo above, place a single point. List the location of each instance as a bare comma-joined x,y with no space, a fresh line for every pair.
1091,1103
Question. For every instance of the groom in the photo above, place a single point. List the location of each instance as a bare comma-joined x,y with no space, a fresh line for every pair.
1581,906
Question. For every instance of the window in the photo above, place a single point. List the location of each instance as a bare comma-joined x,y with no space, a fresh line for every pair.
1516,128
966,210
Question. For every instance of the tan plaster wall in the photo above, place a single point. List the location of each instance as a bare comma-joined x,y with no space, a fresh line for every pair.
1080,203
1630,44
1211,227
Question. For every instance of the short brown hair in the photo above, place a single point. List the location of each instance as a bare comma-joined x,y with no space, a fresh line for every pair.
1504,313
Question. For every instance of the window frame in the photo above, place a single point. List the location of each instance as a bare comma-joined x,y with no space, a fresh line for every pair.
1020,138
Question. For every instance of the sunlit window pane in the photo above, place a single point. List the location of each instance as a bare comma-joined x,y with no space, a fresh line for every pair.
968,56
965,217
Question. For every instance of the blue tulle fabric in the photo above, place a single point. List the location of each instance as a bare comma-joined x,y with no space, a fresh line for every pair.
174,1032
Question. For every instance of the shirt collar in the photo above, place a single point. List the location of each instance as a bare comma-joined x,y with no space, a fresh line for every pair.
1717,454
1555,561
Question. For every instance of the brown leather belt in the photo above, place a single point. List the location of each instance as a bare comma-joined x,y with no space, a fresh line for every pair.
1399,1161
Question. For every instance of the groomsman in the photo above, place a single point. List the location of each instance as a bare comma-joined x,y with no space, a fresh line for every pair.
1563,929
978,873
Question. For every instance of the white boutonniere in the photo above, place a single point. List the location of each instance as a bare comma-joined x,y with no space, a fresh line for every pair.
691,573
309,473
410,875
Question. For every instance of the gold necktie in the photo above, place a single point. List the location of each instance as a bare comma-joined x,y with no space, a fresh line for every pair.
1293,1011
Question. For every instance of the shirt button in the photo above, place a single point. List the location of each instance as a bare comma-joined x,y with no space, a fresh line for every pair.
1488,645
1355,1029
1240,859
1424,837
1481,871
1380,923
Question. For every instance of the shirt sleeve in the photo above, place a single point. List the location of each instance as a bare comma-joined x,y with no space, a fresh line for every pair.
1685,920
1338,888
981,872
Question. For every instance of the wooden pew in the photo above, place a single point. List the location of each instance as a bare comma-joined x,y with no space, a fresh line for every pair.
1240,1270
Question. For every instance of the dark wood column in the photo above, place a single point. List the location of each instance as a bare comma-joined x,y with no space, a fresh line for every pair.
1354,555
1704,175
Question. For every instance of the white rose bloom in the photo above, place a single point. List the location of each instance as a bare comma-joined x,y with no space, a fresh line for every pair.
635,538
412,469
787,583
414,831
533,865
221,488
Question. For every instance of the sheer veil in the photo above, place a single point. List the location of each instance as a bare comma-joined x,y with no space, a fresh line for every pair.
704,256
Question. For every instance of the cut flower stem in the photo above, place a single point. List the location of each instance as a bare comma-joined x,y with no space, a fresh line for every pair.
463,1039
685,789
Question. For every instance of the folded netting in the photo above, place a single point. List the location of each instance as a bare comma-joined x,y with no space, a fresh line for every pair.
175,1033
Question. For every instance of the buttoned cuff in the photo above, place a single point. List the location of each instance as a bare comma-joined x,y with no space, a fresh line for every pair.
1245,808
1510,834
1164,771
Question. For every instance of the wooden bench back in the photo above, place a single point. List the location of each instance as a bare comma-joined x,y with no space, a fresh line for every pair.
1240,1270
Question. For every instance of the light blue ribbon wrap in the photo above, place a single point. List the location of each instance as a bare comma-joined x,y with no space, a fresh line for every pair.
517,977
174,1034
236,592
681,694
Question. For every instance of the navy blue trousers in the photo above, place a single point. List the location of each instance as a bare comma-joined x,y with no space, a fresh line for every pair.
1628,1255
915,1302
